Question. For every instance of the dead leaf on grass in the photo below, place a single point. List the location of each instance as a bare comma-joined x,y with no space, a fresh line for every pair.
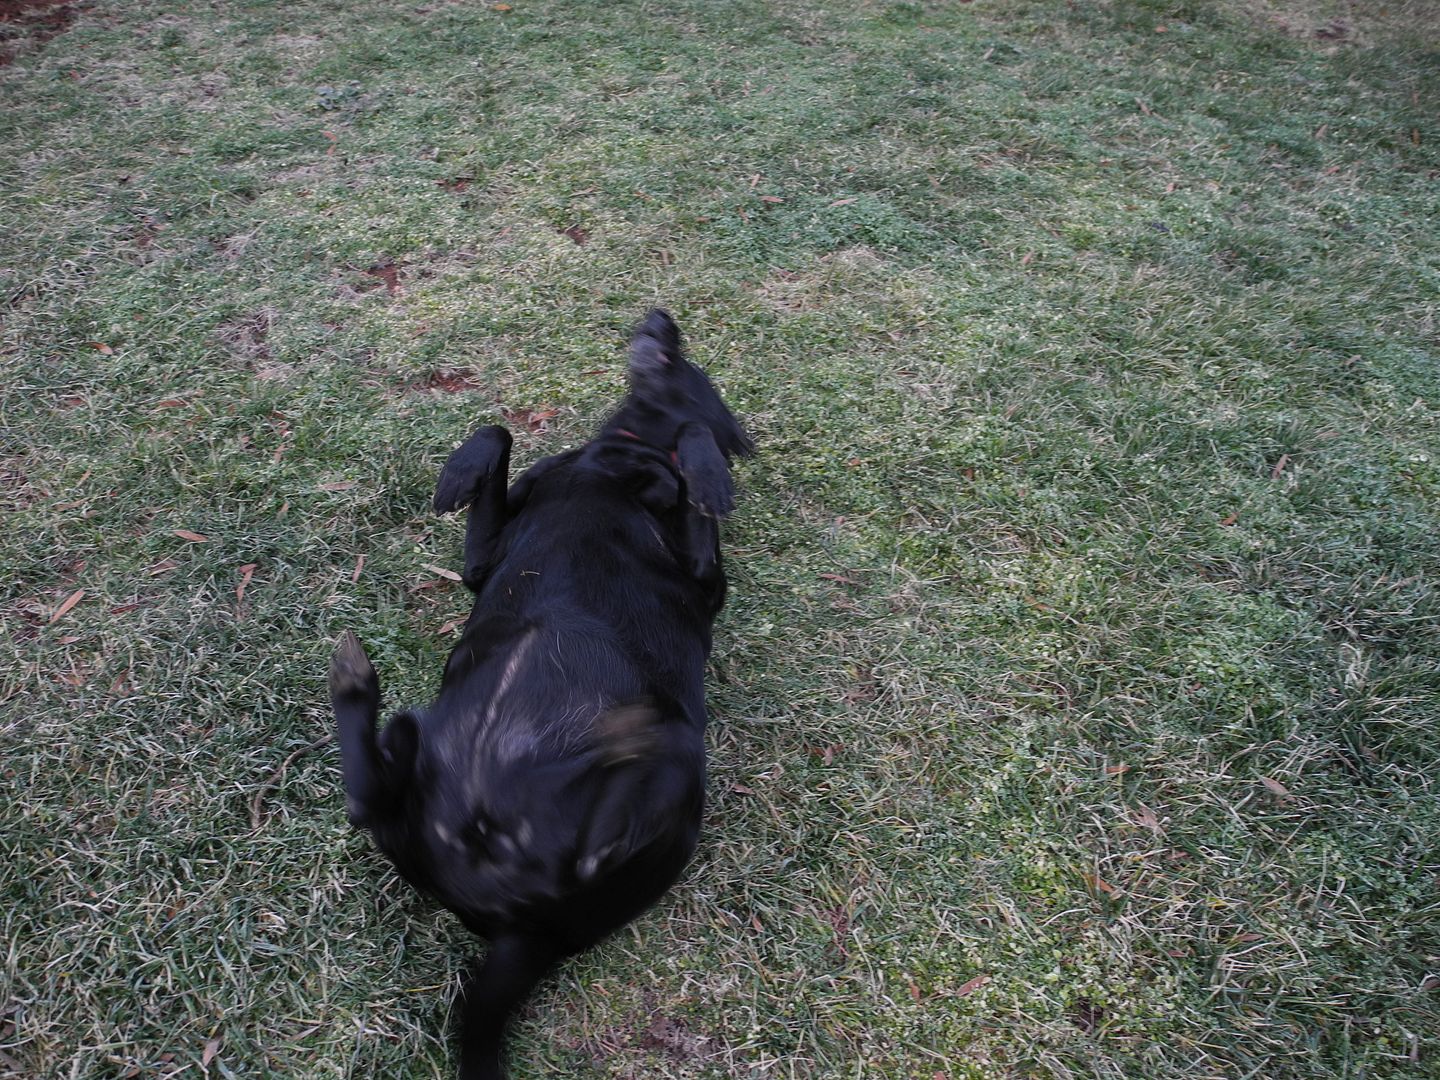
1147,110
70,601
531,419
246,573
1100,884
840,926
973,985
1275,787
826,754
1143,816
865,689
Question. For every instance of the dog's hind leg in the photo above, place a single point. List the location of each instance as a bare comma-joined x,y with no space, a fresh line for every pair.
475,475
355,697
490,996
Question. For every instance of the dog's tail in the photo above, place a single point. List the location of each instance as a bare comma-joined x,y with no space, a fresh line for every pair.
491,994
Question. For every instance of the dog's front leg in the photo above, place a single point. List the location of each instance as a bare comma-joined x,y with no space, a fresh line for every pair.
475,475
709,496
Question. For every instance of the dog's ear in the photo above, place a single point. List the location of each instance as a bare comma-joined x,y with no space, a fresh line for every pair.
648,788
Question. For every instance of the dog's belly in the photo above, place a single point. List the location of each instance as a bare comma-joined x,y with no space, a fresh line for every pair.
532,697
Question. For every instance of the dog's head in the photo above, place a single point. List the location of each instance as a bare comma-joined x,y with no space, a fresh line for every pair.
667,392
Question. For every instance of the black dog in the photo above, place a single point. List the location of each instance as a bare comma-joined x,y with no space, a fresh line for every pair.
554,789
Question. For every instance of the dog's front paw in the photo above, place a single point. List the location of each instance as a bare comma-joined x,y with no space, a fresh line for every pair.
351,673
707,473
472,465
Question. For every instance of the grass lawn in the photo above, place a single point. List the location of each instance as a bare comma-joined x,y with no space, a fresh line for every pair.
1075,710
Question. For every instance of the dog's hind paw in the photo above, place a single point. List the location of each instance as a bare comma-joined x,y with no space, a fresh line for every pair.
351,673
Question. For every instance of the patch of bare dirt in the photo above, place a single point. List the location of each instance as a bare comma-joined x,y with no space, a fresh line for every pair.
32,21
1334,24
15,490
676,1040
447,381
382,278
387,272
247,338
533,420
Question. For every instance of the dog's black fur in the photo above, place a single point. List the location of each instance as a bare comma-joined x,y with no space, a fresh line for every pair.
554,789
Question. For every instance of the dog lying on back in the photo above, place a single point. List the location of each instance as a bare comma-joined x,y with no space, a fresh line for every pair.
554,789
